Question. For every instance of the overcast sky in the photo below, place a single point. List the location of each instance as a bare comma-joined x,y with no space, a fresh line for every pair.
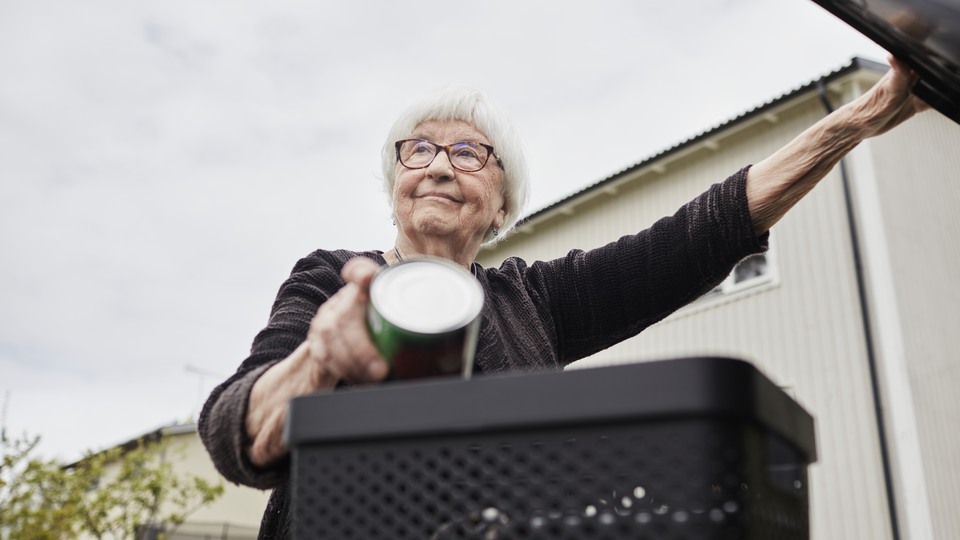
163,164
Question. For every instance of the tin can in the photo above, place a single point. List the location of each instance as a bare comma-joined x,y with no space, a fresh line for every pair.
424,318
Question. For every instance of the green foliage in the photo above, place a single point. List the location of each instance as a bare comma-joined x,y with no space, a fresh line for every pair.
37,500
110,494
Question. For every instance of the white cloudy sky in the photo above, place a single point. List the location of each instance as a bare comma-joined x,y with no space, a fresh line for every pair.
164,163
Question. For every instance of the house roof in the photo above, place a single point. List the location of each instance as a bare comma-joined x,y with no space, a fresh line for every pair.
854,65
152,435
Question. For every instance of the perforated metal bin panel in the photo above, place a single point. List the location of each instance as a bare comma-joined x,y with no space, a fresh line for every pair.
596,464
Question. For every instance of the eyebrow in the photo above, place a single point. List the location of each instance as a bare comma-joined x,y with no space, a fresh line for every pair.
425,137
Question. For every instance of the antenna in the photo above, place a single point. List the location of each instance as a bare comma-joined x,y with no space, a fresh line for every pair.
201,374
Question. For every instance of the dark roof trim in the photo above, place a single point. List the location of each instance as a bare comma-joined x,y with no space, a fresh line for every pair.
855,64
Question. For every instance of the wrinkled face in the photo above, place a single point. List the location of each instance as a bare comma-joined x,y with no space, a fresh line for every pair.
440,202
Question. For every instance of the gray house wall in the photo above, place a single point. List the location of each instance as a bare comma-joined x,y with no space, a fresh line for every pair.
803,326
907,188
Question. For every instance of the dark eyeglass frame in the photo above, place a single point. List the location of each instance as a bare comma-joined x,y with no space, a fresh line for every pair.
446,150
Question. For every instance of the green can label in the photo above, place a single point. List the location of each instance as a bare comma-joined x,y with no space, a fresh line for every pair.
424,318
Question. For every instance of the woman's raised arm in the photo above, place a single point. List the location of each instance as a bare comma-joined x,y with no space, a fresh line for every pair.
778,182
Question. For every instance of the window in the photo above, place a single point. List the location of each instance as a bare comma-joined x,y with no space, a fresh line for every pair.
751,272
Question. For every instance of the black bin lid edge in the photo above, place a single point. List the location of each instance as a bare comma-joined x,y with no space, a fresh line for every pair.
705,387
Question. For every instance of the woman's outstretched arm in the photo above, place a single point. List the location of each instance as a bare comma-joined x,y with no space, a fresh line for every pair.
778,182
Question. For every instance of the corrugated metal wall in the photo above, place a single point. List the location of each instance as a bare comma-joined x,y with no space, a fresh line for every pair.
917,170
804,331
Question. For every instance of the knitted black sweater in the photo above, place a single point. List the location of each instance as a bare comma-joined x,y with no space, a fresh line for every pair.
541,316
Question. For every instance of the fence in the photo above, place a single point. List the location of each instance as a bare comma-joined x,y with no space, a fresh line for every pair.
205,531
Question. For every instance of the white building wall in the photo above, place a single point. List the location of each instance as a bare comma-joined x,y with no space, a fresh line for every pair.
240,507
917,173
234,516
804,330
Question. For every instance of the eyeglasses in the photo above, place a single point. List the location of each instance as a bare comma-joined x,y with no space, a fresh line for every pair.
464,156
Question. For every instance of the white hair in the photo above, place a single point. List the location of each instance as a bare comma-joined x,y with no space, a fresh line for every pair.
471,106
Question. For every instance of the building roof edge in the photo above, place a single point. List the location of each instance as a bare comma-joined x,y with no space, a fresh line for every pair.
855,64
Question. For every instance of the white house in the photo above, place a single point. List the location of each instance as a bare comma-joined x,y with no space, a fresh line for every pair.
855,310
233,516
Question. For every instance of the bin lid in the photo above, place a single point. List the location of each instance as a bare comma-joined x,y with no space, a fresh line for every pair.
695,387
924,34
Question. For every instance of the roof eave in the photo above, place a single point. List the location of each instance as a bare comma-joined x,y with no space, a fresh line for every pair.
608,183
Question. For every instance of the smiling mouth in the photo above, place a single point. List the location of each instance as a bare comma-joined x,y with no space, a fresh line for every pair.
439,196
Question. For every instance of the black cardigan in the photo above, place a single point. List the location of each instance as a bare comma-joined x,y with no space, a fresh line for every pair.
541,316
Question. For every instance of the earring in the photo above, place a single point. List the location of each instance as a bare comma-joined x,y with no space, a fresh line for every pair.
496,231
394,222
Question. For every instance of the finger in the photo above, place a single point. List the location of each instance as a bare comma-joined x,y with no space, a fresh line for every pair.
353,355
265,450
326,372
910,76
340,330
359,270
897,66
371,366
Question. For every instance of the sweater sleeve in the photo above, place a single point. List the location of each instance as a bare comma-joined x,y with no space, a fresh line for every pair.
603,296
222,422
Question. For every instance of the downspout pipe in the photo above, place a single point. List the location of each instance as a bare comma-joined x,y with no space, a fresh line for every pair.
867,332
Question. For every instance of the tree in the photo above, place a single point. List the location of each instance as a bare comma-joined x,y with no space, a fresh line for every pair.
37,499
122,493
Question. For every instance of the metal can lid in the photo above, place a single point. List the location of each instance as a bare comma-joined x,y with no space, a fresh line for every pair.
427,295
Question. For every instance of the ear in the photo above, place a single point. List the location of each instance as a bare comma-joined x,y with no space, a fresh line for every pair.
500,217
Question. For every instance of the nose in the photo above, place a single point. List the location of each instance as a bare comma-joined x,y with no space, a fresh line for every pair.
440,168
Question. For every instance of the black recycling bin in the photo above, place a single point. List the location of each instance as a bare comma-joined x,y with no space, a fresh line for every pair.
692,448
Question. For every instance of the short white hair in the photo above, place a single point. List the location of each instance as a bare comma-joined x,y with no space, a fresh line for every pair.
471,106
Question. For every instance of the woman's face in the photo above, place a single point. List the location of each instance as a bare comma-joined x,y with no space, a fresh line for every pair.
442,203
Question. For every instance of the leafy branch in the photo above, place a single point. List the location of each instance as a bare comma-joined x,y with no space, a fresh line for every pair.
117,494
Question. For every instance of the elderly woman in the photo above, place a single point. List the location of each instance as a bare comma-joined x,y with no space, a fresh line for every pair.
456,179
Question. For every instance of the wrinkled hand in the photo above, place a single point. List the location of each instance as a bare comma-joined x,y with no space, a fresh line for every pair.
889,103
337,348
338,343
777,183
